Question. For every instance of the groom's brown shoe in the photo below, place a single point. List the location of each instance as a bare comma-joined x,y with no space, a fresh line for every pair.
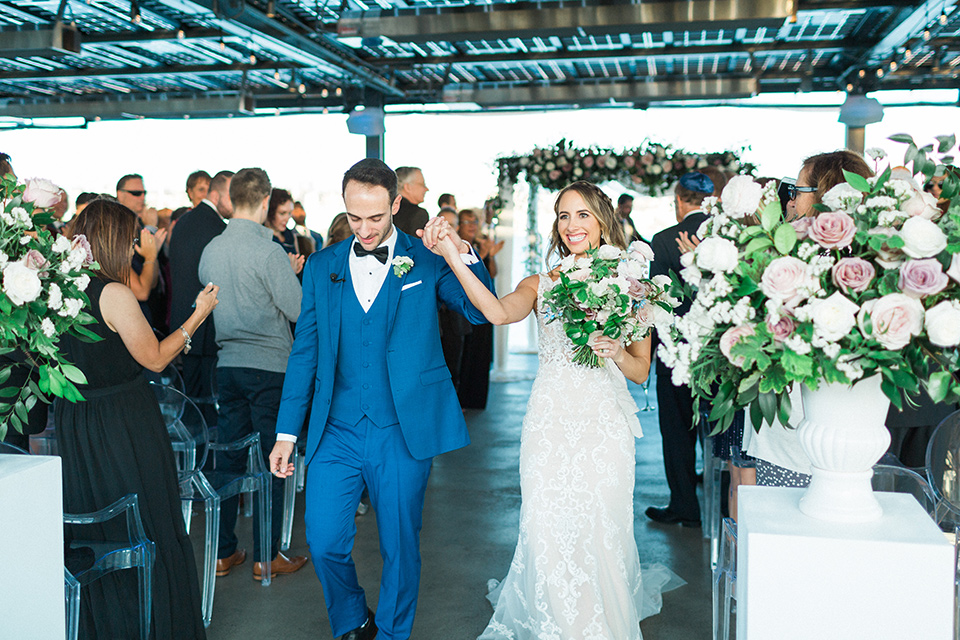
225,564
280,564
366,631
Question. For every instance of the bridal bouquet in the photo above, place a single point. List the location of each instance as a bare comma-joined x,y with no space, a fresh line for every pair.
867,286
41,298
606,292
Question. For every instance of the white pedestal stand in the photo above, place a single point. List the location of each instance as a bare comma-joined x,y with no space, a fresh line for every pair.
800,578
31,548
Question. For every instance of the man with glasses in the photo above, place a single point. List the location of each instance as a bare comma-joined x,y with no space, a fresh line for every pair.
413,189
145,274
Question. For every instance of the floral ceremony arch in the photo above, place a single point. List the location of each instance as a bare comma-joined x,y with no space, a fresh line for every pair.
651,168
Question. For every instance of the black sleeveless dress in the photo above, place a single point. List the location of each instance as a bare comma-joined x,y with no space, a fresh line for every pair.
113,444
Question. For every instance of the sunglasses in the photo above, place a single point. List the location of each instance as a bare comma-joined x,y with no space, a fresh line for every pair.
792,191
135,193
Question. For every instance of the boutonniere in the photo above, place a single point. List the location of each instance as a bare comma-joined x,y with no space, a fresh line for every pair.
401,265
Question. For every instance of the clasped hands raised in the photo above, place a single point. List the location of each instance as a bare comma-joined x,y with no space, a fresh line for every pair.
440,238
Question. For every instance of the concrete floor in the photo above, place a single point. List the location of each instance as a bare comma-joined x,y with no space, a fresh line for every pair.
469,533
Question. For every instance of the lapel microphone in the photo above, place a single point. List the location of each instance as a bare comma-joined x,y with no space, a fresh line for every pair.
334,279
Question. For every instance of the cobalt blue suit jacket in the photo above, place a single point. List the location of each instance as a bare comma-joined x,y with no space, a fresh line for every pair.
430,417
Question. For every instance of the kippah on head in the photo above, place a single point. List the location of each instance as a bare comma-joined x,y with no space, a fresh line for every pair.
697,182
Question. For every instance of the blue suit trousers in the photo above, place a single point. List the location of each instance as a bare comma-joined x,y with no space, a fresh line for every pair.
349,457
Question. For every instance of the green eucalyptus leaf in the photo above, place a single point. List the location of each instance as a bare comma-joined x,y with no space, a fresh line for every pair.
785,238
757,244
771,215
945,143
938,384
905,138
856,181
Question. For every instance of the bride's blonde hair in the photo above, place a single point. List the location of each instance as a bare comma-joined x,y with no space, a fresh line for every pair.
601,206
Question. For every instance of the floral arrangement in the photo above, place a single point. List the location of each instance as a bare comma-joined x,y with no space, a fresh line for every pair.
41,298
651,167
869,286
401,265
606,292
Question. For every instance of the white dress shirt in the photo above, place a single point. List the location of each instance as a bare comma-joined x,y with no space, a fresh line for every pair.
368,274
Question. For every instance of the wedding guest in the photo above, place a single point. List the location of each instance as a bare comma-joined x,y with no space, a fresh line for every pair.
781,460
116,442
278,215
624,209
261,297
447,202
676,403
478,344
198,184
299,216
84,199
192,233
6,164
339,230
413,189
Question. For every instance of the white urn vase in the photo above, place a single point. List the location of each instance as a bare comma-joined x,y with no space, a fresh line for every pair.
844,434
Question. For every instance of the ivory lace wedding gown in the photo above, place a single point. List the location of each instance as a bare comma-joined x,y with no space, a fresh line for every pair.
576,572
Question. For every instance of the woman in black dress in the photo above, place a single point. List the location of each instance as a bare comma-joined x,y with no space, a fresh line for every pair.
116,443
279,210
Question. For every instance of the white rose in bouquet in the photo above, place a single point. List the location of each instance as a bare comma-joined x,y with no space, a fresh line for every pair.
943,324
842,197
922,238
783,278
609,252
741,196
954,270
21,283
833,317
922,204
895,319
641,248
717,254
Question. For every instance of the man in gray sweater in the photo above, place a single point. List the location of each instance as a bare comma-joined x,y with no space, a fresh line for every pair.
260,297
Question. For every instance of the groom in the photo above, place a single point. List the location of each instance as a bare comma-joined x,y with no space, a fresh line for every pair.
368,363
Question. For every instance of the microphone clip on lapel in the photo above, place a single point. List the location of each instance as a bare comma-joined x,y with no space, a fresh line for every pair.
334,279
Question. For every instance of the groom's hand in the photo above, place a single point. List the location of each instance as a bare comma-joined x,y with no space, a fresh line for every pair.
440,238
280,459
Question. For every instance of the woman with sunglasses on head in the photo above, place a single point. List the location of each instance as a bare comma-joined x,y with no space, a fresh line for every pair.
115,442
780,459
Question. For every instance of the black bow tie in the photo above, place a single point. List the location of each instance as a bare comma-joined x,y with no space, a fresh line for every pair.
380,253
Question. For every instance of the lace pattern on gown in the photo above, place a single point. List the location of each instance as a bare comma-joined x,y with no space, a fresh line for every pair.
576,572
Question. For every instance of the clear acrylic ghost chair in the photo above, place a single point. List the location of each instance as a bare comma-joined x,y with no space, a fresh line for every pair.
943,474
135,552
71,597
256,481
169,377
725,580
899,479
713,470
190,439
290,488
45,442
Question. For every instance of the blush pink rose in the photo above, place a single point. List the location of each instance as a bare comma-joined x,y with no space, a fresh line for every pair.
647,158
853,274
922,278
34,260
81,241
782,329
732,336
554,175
783,278
802,227
689,162
833,230
895,318
629,162
42,193
589,161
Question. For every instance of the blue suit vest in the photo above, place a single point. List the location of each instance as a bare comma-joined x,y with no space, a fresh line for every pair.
362,384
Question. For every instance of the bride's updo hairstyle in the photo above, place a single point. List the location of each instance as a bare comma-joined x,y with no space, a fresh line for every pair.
111,229
601,206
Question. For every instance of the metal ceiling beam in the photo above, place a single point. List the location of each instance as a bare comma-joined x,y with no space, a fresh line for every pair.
105,109
695,89
141,72
585,17
275,35
61,40
407,64
137,37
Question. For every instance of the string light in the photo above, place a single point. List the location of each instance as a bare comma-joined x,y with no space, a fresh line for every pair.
893,66
943,17
180,34
324,93
253,59
271,9
862,73
339,91
276,74
326,111
135,12
302,88
879,73
926,34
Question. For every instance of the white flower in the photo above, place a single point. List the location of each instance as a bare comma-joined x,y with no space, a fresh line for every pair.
692,275
953,271
876,153
62,244
71,307
577,171
48,328
55,300
610,163
401,265
662,281
943,323
741,196
717,254
25,240
82,281
834,317
842,197
847,364
922,238
797,344
42,193
831,350
608,252
550,166
567,263
3,260
21,283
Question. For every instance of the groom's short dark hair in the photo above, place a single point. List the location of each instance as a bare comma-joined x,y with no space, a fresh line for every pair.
372,172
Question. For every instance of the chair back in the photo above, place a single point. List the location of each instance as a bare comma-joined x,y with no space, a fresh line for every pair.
186,426
169,377
943,469
899,479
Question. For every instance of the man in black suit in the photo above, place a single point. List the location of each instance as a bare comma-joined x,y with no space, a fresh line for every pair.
193,231
411,216
676,403
624,209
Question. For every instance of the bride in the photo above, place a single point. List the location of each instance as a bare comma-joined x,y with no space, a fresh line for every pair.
576,571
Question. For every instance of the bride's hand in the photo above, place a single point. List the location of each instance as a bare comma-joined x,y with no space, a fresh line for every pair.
604,347
440,238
